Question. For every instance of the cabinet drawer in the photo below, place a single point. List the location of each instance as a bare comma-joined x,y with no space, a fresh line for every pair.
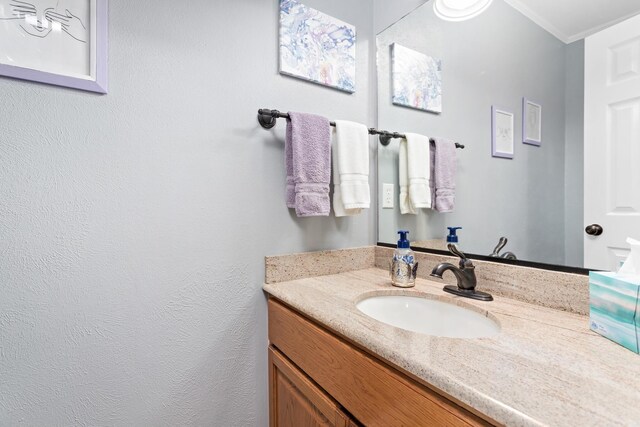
373,392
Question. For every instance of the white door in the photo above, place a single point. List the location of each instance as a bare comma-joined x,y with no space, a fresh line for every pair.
612,143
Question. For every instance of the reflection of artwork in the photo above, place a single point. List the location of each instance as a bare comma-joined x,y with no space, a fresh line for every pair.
317,47
501,133
531,122
417,79
60,42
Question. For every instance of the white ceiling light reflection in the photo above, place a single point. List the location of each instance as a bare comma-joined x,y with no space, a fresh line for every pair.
459,10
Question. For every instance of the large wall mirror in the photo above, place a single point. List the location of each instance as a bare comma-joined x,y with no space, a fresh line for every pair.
534,198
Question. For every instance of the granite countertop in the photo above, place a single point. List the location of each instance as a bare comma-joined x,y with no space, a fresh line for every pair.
545,367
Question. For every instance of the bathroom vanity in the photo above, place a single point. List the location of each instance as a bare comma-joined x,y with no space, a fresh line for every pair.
331,364
355,384
525,226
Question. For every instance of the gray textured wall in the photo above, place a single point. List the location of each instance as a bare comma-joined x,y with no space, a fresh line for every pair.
496,58
574,154
133,226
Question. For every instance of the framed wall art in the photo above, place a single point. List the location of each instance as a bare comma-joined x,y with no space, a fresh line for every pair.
531,122
317,47
416,79
501,133
57,42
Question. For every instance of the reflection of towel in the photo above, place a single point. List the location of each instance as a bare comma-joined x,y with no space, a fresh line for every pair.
403,180
443,174
308,163
350,168
418,170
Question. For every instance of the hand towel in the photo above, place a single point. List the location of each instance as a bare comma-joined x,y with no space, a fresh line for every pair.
308,159
443,174
338,206
418,170
350,168
403,180
288,162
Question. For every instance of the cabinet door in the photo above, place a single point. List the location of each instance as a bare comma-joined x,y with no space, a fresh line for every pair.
296,401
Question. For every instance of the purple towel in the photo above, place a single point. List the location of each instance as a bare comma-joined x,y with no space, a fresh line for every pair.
443,174
288,161
308,162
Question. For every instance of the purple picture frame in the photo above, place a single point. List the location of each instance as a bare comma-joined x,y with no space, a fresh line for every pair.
498,133
99,84
525,124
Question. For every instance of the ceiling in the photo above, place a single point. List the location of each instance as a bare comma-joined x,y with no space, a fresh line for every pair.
571,20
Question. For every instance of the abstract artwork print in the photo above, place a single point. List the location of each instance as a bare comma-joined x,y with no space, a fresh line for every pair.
317,47
417,79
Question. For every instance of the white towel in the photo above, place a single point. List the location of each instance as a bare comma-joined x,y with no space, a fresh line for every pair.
403,180
350,168
338,206
419,170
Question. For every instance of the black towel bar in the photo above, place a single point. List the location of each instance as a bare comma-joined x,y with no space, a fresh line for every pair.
267,119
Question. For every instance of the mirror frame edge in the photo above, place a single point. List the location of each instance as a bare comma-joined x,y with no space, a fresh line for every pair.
519,263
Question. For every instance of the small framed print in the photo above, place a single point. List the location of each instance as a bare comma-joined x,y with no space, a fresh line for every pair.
501,133
531,122
61,42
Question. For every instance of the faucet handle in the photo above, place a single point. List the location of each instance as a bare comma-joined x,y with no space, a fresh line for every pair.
453,248
501,244
464,261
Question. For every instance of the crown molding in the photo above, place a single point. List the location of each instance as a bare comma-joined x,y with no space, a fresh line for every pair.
598,28
539,20
553,30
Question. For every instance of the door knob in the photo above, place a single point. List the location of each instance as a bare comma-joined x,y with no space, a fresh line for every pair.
594,229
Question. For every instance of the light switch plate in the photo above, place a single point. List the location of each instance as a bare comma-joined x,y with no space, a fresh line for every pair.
387,196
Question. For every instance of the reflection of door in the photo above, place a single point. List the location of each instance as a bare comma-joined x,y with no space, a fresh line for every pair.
612,142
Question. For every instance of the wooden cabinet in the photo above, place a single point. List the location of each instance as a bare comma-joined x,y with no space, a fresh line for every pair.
320,379
295,401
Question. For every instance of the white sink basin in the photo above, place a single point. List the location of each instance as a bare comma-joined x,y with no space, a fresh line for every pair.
428,316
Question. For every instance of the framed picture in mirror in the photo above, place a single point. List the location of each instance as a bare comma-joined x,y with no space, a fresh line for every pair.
416,79
501,133
531,122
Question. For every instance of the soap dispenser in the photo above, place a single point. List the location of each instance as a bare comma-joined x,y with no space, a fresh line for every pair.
453,237
403,266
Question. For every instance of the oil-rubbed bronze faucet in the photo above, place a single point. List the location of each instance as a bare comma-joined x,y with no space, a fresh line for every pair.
496,251
465,274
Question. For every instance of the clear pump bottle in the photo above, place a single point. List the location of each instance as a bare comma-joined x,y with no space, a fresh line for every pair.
403,266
